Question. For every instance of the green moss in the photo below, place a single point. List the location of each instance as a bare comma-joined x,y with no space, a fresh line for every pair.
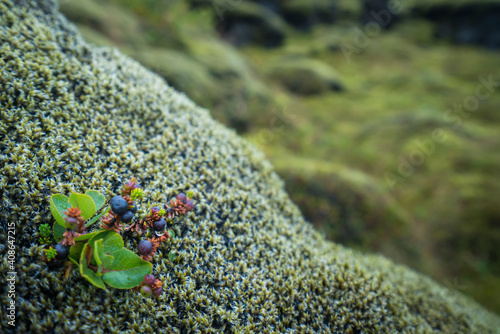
108,19
76,117
182,72
305,76
399,88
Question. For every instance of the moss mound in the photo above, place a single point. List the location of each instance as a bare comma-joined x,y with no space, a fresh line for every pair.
305,76
75,118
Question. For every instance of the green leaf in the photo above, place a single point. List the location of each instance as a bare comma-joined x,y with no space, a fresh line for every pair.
171,233
75,253
127,270
58,231
97,250
87,236
58,204
96,218
97,197
105,234
88,273
121,268
85,203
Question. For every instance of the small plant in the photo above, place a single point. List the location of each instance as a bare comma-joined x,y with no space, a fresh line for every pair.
50,253
45,233
100,255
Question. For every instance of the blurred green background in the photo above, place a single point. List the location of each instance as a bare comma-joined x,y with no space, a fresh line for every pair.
383,117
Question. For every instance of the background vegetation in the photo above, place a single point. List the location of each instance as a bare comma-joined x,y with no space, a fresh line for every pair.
342,108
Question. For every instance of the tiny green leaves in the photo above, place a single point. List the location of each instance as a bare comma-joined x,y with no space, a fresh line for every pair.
50,253
44,234
97,197
171,256
58,204
137,193
85,203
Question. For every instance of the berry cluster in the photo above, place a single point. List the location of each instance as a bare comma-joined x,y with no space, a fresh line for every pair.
123,208
157,218
181,205
150,286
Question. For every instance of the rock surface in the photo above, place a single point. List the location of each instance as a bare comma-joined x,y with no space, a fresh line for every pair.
75,117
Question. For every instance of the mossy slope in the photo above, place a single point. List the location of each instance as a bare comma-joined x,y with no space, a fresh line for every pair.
75,118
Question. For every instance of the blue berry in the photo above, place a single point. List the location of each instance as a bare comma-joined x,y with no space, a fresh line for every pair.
159,225
62,251
127,217
182,197
118,205
189,205
133,209
145,247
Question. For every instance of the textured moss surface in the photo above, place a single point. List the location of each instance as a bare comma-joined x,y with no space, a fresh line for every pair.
78,118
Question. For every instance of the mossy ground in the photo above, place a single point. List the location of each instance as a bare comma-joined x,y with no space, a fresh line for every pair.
441,219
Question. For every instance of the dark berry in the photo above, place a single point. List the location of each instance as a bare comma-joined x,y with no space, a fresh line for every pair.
189,205
133,209
127,217
145,247
62,251
158,292
182,197
119,205
159,225
146,291
155,209
149,279
72,221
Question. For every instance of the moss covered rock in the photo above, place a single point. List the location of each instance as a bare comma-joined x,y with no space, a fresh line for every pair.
464,21
304,75
75,117
303,14
182,72
248,22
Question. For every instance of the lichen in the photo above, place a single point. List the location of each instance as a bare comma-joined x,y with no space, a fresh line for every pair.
75,117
